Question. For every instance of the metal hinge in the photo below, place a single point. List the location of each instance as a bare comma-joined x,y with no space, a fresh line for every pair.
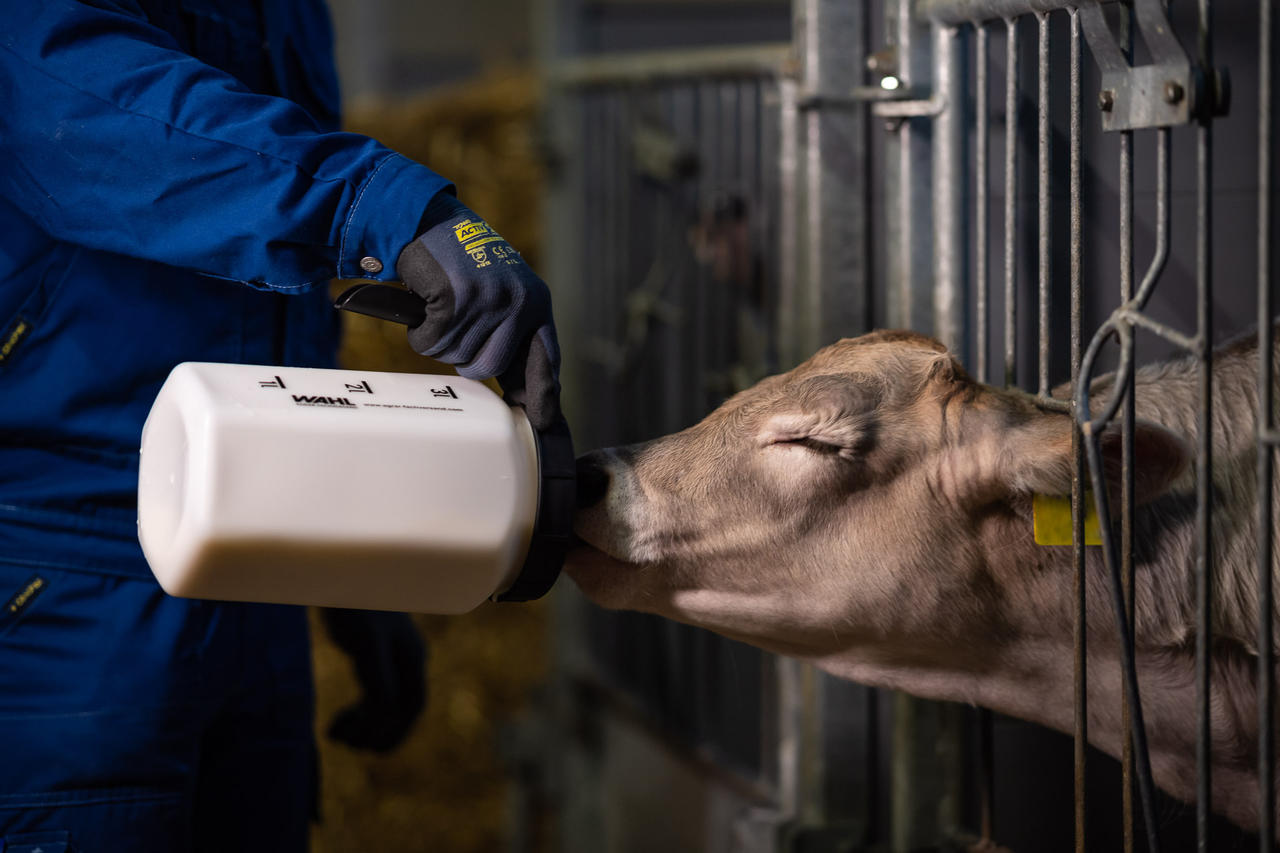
1170,90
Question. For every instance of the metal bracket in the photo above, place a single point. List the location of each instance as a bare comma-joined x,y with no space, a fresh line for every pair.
910,108
895,102
1171,90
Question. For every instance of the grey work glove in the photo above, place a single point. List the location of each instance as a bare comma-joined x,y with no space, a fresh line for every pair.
488,313
390,661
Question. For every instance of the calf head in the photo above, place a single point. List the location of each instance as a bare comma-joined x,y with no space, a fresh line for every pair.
873,497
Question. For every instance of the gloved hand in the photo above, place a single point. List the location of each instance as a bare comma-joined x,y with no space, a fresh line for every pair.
390,663
488,313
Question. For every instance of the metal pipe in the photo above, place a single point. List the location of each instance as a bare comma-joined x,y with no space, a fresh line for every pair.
834,298
637,67
789,222
1204,458
625,121
1042,197
1010,202
1127,357
948,185
1136,758
1091,434
1266,267
703,311
909,300
986,722
729,188
982,215
964,11
1080,629
1127,507
1163,330
1127,457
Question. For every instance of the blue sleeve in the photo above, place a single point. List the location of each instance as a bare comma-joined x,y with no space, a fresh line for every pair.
111,137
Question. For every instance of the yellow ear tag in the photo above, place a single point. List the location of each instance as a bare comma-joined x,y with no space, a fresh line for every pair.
1051,519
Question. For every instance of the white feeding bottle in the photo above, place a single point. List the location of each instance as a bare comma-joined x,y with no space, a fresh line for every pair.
383,491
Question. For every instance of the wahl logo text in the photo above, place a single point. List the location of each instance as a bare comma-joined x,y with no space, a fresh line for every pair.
305,400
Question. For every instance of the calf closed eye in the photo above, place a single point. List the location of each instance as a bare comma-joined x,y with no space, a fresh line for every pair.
817,445
826,433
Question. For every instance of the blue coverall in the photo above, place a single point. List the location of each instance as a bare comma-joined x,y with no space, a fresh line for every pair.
172,188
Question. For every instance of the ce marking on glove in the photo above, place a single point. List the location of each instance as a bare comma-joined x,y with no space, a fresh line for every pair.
474,235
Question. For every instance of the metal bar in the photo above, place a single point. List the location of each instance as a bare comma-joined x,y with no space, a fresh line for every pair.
1169,333
906,182
594,297
1204,458
1092,430
1128,314
789,223
1042,197
948,186
678,109
907,186
772,234
656,66
1110,56
966,11
704,118
981,180
1135,755
1266,266
986,721
924,108
834,291
627,280
1126,355
1127,507
1080,627
1010,202
729,191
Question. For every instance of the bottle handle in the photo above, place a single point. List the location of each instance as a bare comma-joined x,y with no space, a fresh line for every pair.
384,301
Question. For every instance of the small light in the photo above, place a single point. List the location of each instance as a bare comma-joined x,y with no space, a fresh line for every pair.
889,83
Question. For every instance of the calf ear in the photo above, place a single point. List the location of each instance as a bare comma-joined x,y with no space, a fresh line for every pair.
1161,456
1040,458
835,410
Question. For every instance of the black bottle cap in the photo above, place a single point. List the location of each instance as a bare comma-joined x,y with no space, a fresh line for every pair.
557,499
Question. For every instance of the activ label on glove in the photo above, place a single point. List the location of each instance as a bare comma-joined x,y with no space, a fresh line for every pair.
382,491
479,240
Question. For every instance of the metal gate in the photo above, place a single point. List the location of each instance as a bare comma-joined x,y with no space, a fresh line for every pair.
1118,92
733,210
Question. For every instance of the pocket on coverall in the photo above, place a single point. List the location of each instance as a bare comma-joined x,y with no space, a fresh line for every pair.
79,771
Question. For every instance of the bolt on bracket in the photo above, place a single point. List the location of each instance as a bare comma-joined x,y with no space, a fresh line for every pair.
1171,90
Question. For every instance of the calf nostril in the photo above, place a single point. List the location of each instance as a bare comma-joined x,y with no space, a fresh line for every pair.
593,480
